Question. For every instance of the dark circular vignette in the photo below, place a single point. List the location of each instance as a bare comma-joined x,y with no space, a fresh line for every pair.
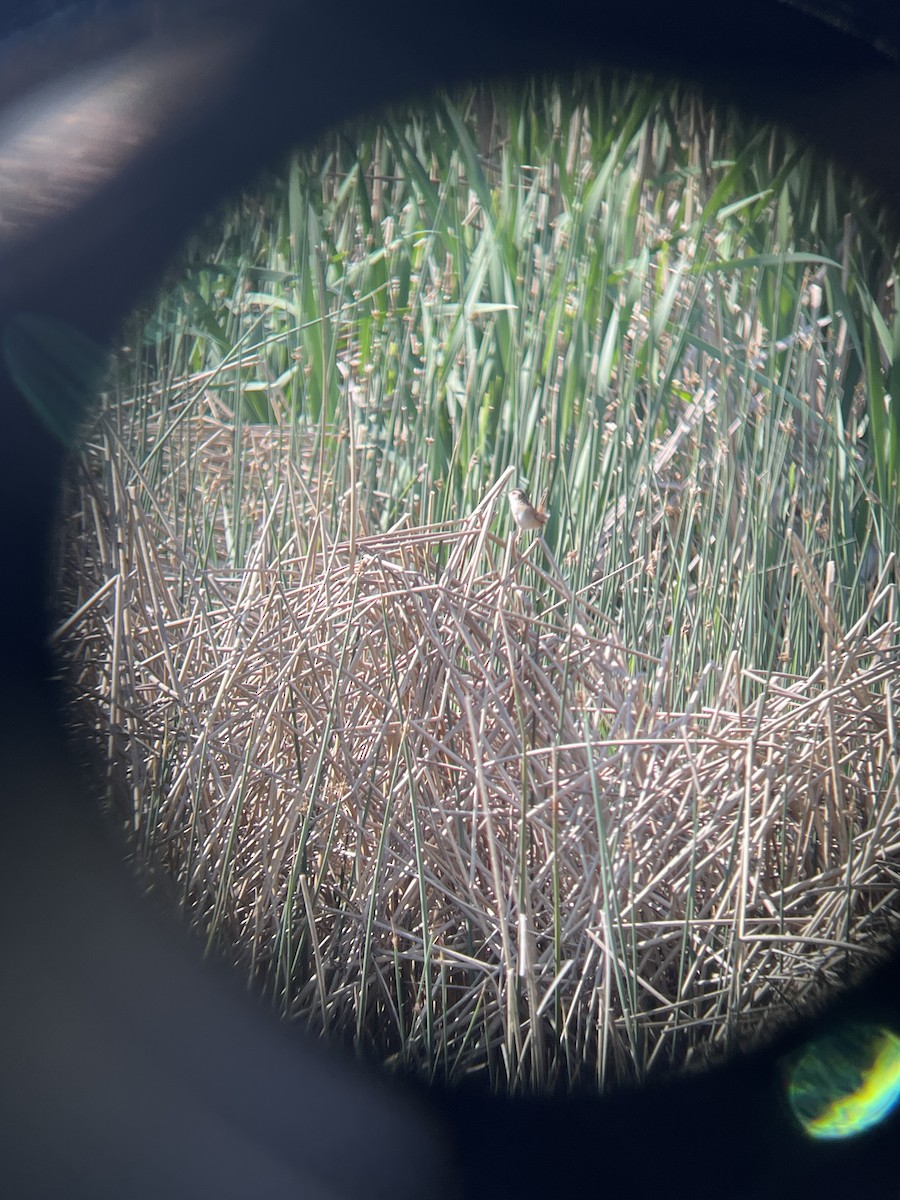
130,1068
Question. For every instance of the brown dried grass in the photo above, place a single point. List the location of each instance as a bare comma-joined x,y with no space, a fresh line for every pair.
453,822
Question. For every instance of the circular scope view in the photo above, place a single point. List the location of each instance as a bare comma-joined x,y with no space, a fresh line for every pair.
478,586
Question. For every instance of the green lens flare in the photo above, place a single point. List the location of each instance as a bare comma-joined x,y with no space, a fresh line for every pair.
843,1084
56,367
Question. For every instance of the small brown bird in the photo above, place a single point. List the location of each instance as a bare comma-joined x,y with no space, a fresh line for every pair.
525,515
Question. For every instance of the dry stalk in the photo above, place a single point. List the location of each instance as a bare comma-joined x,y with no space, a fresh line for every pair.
446,819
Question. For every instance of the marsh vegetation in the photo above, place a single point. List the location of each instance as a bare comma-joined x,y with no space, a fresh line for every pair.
561,811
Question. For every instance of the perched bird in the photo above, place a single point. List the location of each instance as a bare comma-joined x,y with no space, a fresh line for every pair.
525,515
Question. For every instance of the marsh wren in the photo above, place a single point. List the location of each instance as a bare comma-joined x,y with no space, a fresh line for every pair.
525,515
